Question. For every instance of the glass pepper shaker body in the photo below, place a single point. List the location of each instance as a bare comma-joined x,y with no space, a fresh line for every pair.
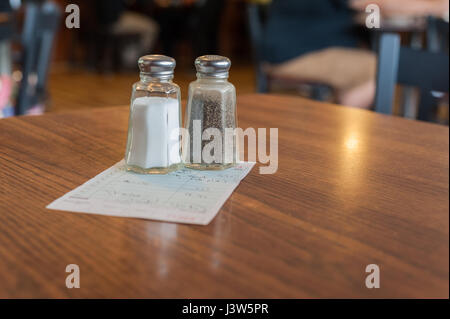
211,117
153,145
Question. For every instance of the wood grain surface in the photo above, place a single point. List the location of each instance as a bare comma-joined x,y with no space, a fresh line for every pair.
353,188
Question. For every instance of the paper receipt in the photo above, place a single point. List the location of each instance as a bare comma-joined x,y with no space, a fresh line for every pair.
185,196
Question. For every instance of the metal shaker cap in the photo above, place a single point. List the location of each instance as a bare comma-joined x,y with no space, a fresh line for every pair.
156,65
213,65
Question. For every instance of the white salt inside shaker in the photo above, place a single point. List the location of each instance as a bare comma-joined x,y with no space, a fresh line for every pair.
155,141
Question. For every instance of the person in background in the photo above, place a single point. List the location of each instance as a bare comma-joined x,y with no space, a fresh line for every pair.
172,19
297,27
205,26
6,83
123,21
196,20
304,28
114,18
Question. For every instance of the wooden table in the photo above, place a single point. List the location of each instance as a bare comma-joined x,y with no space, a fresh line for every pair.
353,188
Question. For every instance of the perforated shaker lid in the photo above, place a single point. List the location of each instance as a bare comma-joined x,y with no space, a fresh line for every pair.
213,65
157,65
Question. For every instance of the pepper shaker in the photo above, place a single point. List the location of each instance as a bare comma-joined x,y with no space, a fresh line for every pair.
211,116
154,142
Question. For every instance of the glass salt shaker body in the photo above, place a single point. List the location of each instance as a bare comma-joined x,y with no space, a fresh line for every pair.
154,142
211,117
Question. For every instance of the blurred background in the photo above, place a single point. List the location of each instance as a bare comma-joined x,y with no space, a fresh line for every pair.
321,49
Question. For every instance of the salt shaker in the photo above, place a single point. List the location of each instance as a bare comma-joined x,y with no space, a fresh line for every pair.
154,142
211,117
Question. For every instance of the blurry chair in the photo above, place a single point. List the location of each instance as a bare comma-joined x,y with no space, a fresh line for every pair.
436,31
334,70
437,35
257,14
396,64
40,25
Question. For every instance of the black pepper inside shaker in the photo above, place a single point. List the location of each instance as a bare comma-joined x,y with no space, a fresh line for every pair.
211,116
